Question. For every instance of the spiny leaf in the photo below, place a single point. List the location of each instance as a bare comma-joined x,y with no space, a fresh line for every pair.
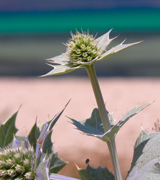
114,129
146,162
7,130
95,174
93,125
45,130
56,163
33,135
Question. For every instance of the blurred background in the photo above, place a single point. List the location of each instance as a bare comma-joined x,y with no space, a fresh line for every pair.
33,31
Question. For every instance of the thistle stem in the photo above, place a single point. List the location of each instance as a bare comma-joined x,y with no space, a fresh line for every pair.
104,118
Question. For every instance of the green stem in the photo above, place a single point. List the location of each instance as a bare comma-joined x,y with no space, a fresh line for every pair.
98,95
113,152
104,118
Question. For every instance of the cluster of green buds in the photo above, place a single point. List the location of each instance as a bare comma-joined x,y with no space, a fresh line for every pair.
17,163
82,48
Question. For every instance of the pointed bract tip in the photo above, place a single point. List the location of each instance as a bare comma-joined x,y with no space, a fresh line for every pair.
67,162
67,103
142,127
36,120
77,167
139,42
123,41
132,43
19,107
41,76
46,75
110,30
48,59
153,101
114,37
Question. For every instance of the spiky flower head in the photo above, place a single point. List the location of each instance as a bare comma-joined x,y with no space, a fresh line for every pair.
84,50
17,163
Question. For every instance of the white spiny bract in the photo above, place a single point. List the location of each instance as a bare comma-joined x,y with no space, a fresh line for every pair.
84,50
17,163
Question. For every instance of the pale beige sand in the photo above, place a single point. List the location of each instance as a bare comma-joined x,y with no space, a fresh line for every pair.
43,97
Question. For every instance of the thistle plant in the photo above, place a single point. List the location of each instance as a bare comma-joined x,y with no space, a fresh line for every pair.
32,157
83,51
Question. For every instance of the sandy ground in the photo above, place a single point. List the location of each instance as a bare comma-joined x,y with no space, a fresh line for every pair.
44,97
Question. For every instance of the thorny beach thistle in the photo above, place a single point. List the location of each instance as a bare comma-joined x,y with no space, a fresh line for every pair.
84,50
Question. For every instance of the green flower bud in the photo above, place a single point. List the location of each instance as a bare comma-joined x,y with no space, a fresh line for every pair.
78,51
18,157
29,175
89,58
3,173
10,163
89,49
83,47
20,169
11,172
26,164
2,164
25,152
84,54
